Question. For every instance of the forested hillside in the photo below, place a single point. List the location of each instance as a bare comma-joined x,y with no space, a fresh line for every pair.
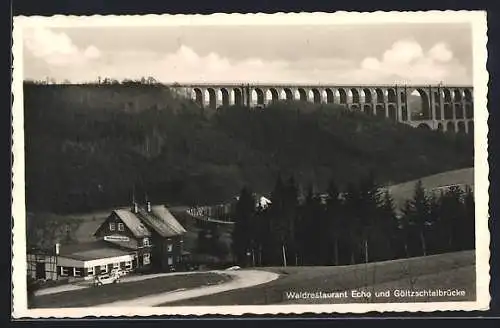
87,147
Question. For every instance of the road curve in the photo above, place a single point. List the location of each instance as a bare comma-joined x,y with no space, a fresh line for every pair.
241,279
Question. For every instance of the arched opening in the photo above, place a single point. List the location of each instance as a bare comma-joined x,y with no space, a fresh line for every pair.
302,94
212,98
469,112
380,110
446,95
437,105
461,127
457,95
440,127
448,112
418,102
380,96
225,97
391,96
424,126
354,96
459,111
343,96
238,97
404,113
402,97
367,109
316,96
260,96
288,94
367,95
329,96
275,96
468,95
450,127
470,127
392,112
437,99
355,107
198,97
437,112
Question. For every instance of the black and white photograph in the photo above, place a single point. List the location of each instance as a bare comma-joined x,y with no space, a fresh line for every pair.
250,163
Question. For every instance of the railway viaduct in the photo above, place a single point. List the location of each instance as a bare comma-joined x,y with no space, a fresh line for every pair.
438,107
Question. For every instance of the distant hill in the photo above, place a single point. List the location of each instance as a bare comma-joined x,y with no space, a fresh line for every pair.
89,146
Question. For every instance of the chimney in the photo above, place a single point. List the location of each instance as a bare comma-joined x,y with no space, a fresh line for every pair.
148,205
134,203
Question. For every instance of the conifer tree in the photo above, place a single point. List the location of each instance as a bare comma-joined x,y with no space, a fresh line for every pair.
243,236
388,226
470,222
417,213
334,217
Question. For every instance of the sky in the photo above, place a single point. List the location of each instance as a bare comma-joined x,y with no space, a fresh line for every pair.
331,54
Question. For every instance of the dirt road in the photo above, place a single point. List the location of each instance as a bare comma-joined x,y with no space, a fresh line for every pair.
241,279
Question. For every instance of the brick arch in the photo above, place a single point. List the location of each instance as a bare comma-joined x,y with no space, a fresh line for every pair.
302,94
316,96
225,97
198,96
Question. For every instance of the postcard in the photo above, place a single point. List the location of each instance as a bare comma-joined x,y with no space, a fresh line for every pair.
250,163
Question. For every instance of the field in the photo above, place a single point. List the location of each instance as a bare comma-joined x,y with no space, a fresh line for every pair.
403,191
127,290
446,271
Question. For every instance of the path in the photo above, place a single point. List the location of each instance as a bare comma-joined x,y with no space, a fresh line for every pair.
87,284
241,279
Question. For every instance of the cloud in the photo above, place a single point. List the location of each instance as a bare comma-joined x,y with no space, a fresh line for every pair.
441,52
56,48
403,52
407,62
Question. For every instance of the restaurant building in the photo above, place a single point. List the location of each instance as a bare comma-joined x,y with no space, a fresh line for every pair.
141,239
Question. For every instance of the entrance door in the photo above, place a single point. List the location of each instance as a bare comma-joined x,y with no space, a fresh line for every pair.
40,270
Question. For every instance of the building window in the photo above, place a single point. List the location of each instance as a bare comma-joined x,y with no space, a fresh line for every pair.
64,271
146,259
128,265
77,272
170,260
104,269
121,227
169,247
111,226
145,242
116,265
90,271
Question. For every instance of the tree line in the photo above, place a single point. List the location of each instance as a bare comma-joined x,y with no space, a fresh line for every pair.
360,224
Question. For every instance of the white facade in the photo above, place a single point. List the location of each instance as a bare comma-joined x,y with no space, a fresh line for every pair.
69,262
44,266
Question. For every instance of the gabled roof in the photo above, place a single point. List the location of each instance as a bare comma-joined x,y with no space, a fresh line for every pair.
132,222
162,221
90,251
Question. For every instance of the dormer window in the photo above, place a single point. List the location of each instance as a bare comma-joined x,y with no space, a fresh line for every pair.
121,227
145,242
111,226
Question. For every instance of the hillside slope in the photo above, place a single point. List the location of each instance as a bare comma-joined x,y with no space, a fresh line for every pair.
88,147
404,191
